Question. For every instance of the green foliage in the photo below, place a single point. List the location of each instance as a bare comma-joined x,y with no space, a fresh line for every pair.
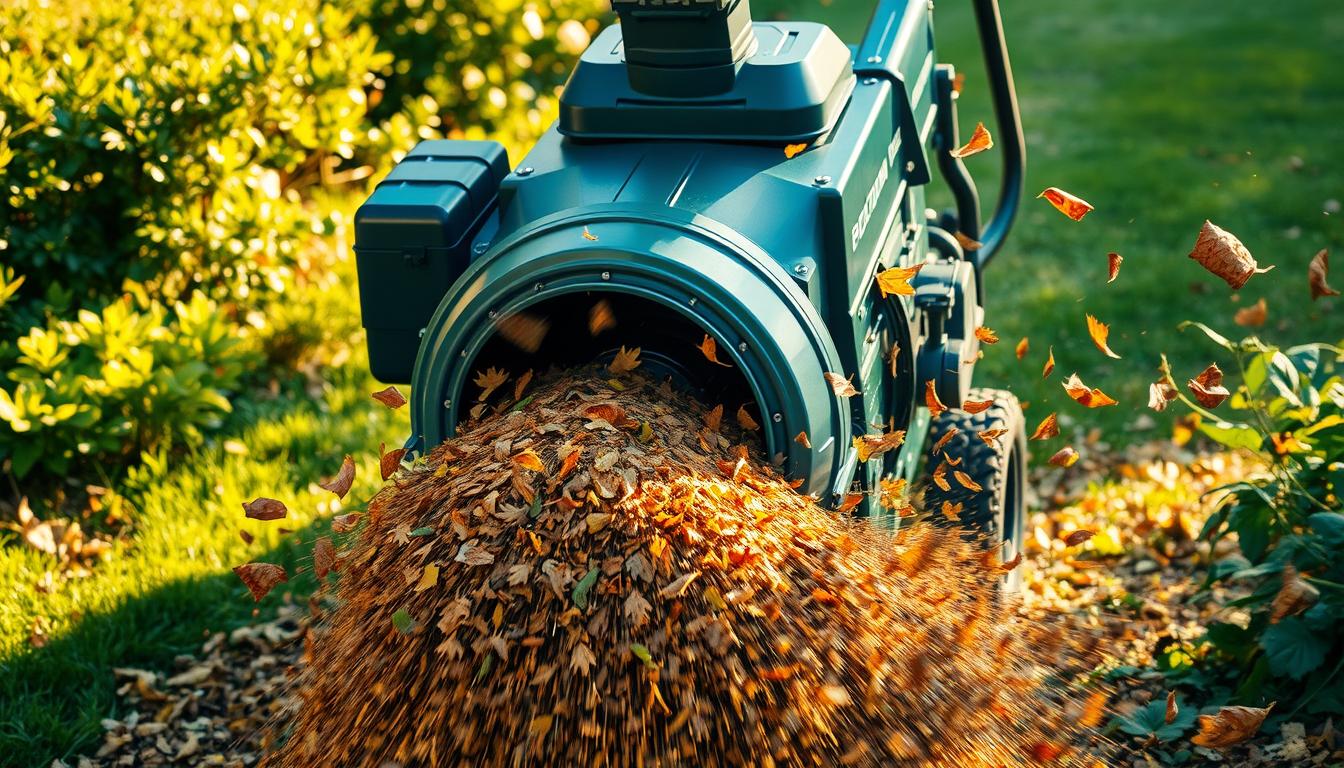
1289,408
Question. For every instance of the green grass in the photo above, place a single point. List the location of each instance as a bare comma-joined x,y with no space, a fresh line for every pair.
1161,114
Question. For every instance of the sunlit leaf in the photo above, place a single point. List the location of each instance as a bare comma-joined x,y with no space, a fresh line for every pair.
1221,253
390,461
745,421
1160,393
801,439
793,150
625,361
324,557
390,397
588,235
1113,262
1048,428
1100,332
977,406
260,578
840,385
935,406
1229,726
528,459
429,577
1091,398
967,481
1253,316
1208,387
895,281
265,509
710,349
1318,275
1065,457
1049,364
1294,597
986,335
1069,205
1022,347
991,436
979,142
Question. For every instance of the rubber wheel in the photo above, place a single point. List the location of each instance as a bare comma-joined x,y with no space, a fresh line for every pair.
999,467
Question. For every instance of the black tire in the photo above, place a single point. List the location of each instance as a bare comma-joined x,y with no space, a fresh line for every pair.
1000,468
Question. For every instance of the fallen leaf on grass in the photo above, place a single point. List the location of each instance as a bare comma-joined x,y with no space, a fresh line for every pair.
980,141
1229,726
1113,262
1065,457
1222,254
1317,275
710,349
260,578
1100,333
896,281
1072,206
1253,316
265,509
625,361
390,397
340,484
840,385
1208,387
1089,397
1048,428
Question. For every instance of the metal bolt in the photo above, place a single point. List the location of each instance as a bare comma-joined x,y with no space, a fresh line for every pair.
463,355
448,403
821,181
693,301
493,314
800,270
538,287
742,347
606,275
480,248
874,59
422,333
870,81
778,417
527,171
910,166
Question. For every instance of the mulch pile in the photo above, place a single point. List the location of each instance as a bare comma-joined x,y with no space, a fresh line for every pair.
606,575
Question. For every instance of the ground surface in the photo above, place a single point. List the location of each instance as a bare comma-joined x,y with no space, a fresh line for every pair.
1161,114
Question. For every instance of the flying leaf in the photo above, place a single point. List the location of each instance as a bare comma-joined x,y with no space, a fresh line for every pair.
968,243
840,385
637,609
952,511
745,421
601,318
643,655
986,335
1172,709
390,397
1069,205
324,557
583,587
710,349
944,440
340,484
1092,398
935,406
1160,393
868,446
260,578
1318,274
850,501
967,481
403,622
588,235
1253,316
991,436
713,418
678,585
245,536
1221,253
1113,262
429,577
1048,428
976,406
896,281
1065,457
793,150
1022,347
1009,565
345,523
801,439
980,141
1078,537
1208,387
389,462
265,509
523,330
581,659
1049,364
1100,332
1294,597
940,478
625,361
489,380
1230,726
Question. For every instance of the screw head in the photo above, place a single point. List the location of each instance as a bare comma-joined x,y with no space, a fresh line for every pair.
538,287
870,81
910,166
448,403
480,248
777,418
606,275
493,314
742,347
874,59
821,181
800,269
421,335
526,171
693,301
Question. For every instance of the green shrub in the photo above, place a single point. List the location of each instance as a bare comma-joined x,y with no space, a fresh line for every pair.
1289,409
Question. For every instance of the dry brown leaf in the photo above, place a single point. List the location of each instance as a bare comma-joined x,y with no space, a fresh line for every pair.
246,537
967,481
324,557
601,318
1100,332
1078,537
714,418
710,349
745,421
390,397
801,439
935,406
1113,262
1089,397
1221,253
991,436
1048,428
520,386
1160,393
1049,364
952,511
1294,597
850,502
1065,457
976,406
979,142
523,330
1022,347
260,578
1094,710
840,385
1172,709
345,523
390,461
1318,274
793,150
967,242
896,281
1208,387
1009,565
625,361
265,509
1230,726
1253,316
489,380
944,440
340,484
868,446
1069,205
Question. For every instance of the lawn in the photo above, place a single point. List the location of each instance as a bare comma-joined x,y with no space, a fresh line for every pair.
1161,114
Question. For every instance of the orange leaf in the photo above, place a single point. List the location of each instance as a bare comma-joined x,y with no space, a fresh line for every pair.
936,407
986,335
1049,364
952,511
940,478
713,418
588,235
980,141
264,509
745,421
1113,262
1100,332
968,243
1208,387
896,281
1065,457
1048,428
966,481
944,440
1230,726
324,557
1294,597
625,361
260,578
390,397
1318,273
976,406
529,459
340,484
521,385
1073,207
1092,398
1253,316
991,436
523,330
390,462
1009,565
1221,253
840,385
801,439
868,446
601,318
710,349
851,501
1022,347
793,150
489,380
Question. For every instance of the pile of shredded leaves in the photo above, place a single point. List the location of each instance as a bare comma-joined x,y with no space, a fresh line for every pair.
607,577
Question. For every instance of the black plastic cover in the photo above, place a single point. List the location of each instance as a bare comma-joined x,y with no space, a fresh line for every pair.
413,239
